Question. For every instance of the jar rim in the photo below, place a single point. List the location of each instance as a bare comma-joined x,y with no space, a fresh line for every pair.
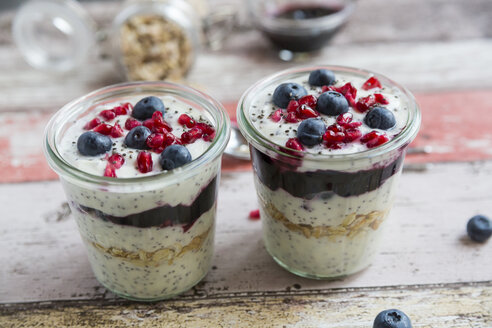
66,170
261,142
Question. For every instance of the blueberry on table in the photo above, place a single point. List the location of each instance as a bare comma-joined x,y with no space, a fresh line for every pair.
332,103
321,77
91,143
137,137
392,319
380,118
174,156
286,92
145,107
479,228
311,131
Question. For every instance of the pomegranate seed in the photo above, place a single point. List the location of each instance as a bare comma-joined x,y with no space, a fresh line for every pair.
206,128
352,125
277,115
291,117
120,110
191,135
157,115
380,99
371,83
254,214
110,171
108,114
333,137
304,112
377,141
103,128
186,120
349,91
308,100
292,106
365,103
369,136
335,128
161,127
149,124
116,131
344,118
155,140
171,139
92,124
294,143
131,123
116,160
209,137
335,145
328,88
352,135
144,162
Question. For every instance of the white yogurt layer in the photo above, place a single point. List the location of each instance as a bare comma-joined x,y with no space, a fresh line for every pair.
97,164
279,132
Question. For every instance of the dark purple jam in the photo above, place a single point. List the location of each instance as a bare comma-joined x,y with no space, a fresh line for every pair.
310,40
166,215
321,183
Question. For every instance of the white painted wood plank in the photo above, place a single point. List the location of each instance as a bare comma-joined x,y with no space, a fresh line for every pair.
44,259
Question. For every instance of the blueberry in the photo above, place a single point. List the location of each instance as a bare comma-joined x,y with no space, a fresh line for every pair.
286,92
332,103
392,319
310,131
479,228
145,107
174,156
321,77
91,143
380,118
137,137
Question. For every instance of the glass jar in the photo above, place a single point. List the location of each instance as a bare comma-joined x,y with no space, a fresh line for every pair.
323,214
148,237
150,39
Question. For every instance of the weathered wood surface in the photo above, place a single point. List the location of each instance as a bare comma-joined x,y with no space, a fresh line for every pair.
44,259
428,307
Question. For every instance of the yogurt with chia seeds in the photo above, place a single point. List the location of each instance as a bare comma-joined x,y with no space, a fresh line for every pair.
326,186
145,206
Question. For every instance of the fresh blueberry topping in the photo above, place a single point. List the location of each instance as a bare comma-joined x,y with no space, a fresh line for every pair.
311,131
479,228
286,92
321,77
174,156
137,137
91,143
380,118
145,107
332,103
392,319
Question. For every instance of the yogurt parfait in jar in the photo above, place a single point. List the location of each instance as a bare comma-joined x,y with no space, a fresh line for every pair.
140,166
327,145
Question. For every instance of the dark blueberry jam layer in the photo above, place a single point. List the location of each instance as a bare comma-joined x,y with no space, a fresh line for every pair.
321,183
302,43
165,215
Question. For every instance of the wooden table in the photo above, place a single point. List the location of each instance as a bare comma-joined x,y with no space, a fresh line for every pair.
427,266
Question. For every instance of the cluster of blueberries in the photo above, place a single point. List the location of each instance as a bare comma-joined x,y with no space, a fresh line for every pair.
330,103
92,143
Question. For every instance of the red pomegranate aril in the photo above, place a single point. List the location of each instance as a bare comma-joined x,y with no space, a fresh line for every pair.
191,135
335,128
103,128
276,115
131,123
379,140
380,99
291,117
155,140
352,125
294,143
110,171
186,120
344,118
157,115
352,135
308,100
254,214
206,128
116,131
161,127
292,106
116,160
371,83
209,137
144,162
328,88
305,111
108,114
92,124
333,137
334,145
369,136
120,110
171,139
365,103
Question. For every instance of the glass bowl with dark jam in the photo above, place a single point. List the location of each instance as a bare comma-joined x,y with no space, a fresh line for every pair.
300,26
